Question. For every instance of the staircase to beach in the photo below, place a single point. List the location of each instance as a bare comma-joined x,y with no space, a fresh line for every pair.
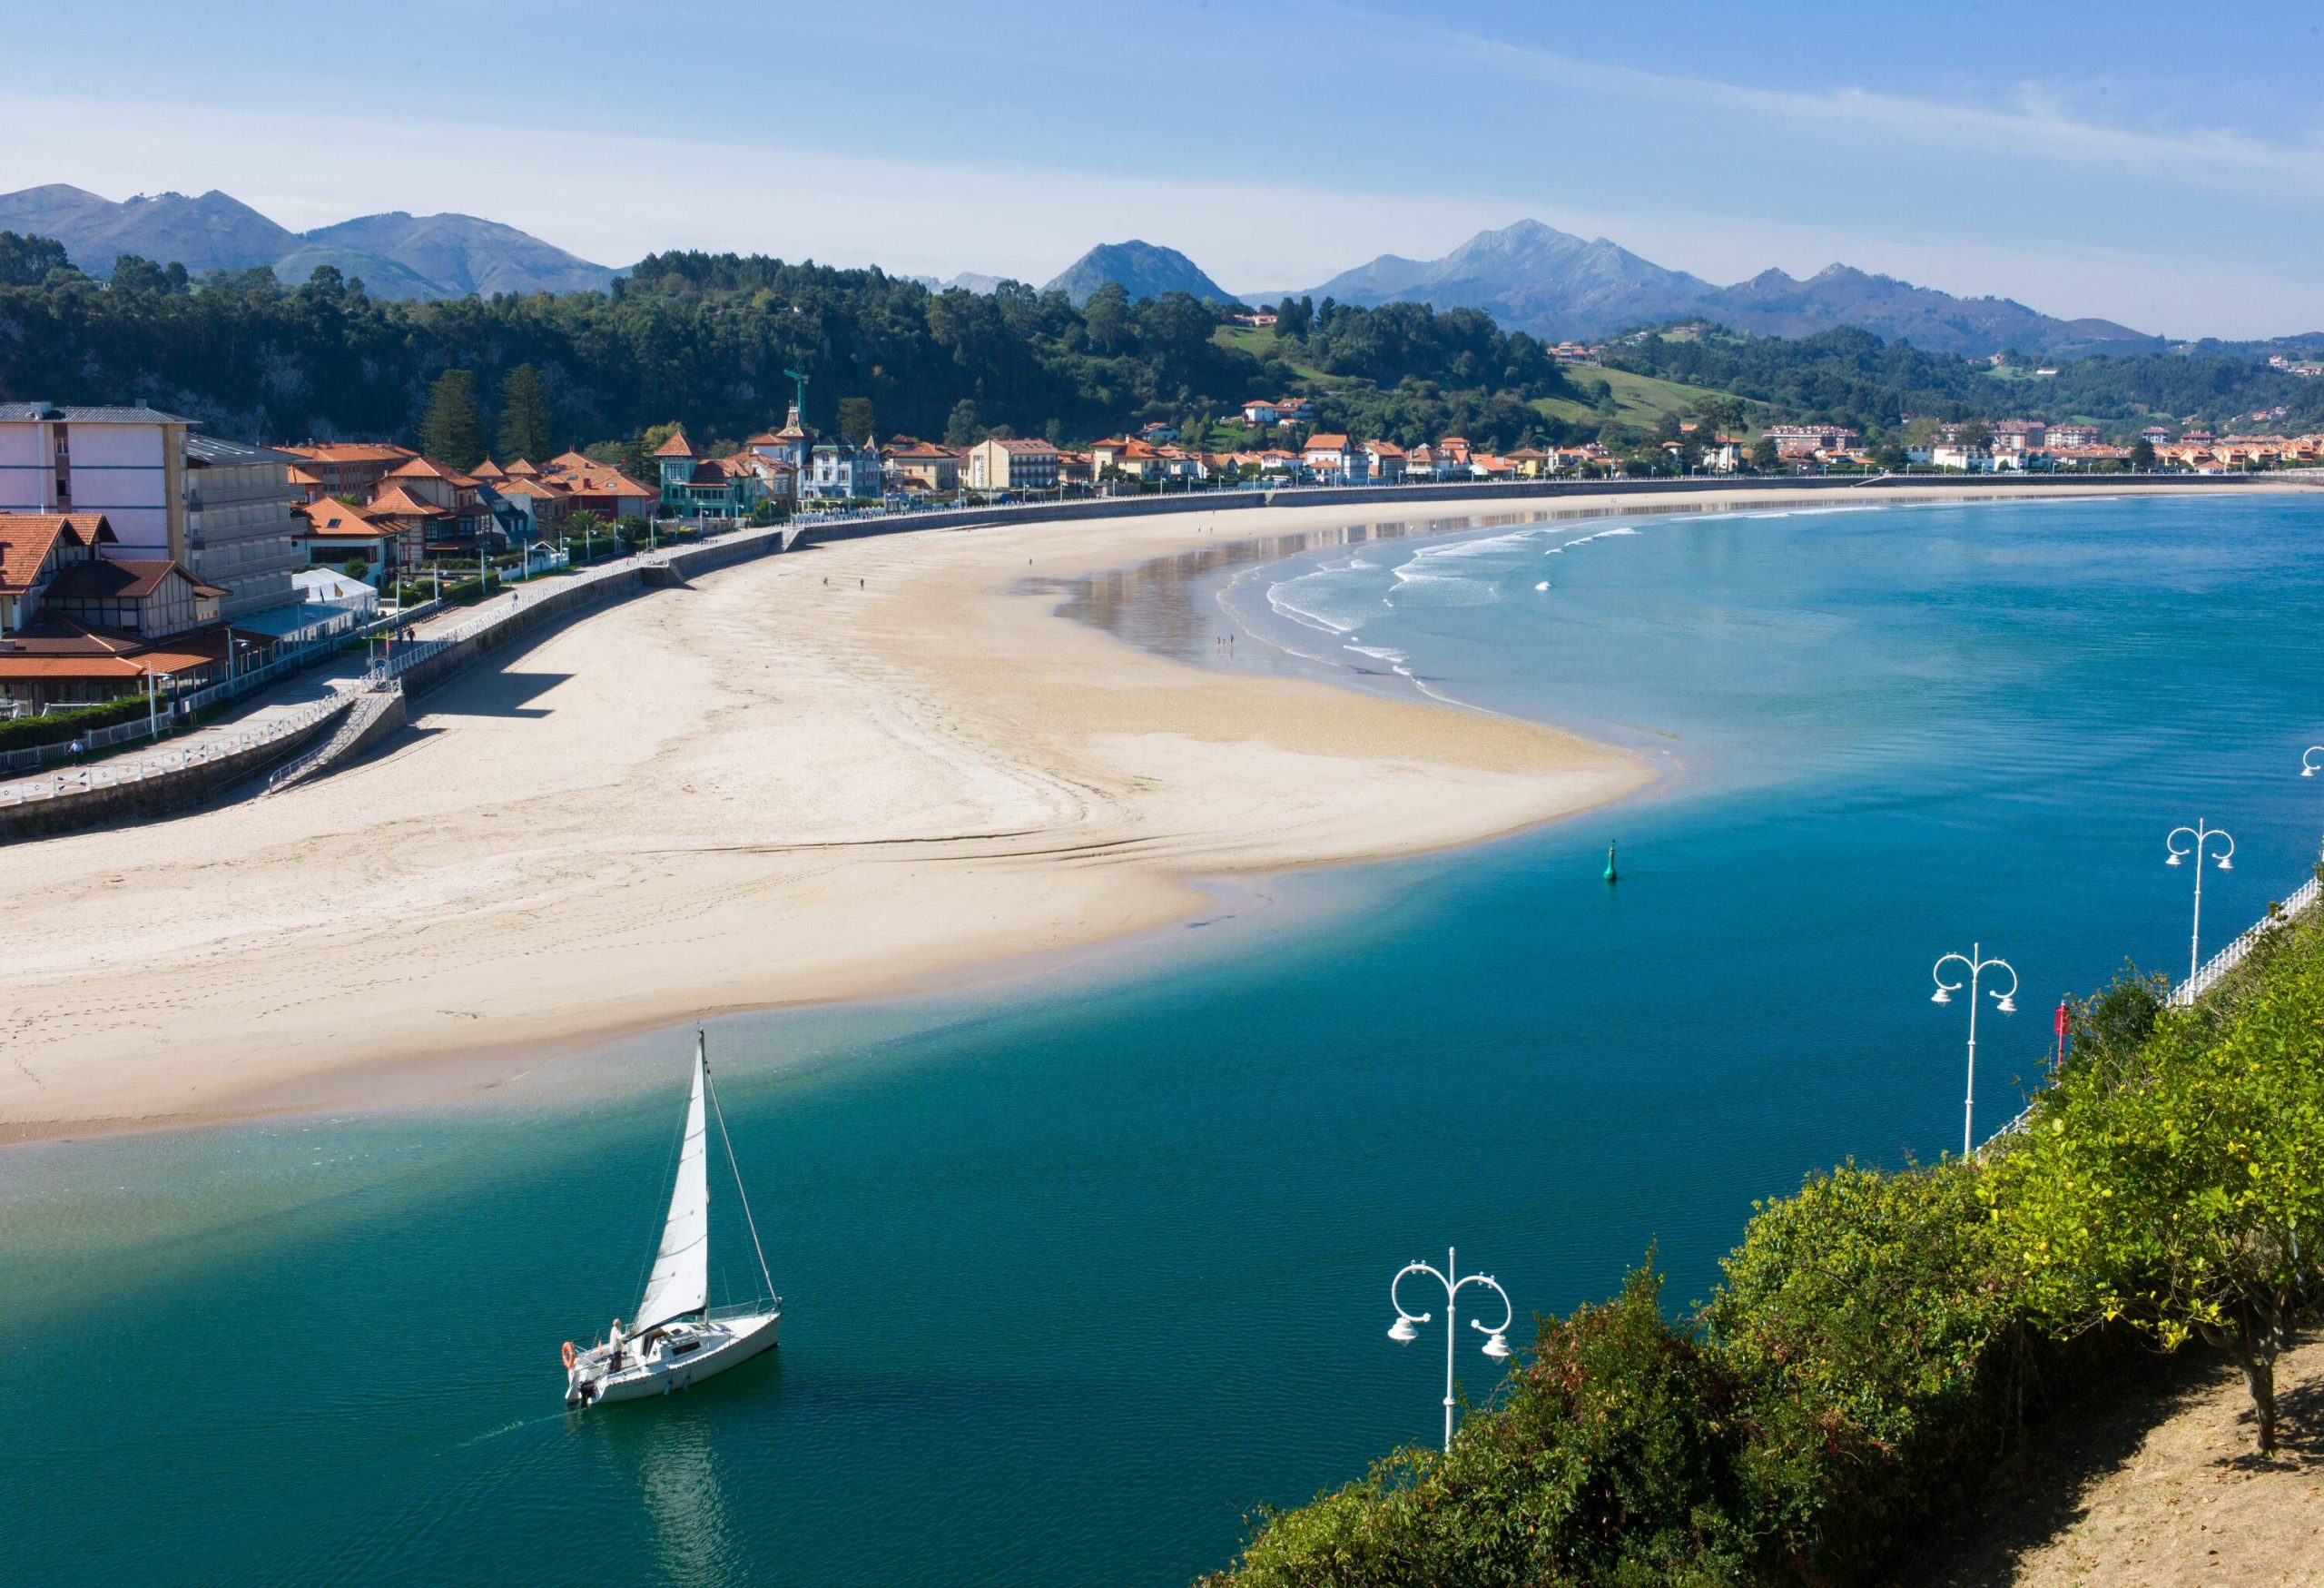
376,712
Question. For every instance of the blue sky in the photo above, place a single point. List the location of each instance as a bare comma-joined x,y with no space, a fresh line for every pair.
2151,163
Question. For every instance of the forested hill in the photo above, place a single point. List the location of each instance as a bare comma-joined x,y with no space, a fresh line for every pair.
1853,376
706,340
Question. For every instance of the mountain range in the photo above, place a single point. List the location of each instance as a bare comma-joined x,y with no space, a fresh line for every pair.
1535,278
1529,276
397,255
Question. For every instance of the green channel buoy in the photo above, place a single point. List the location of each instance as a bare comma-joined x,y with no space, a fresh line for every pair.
1612,875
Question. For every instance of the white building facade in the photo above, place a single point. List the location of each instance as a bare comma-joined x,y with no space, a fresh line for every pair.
837,471
125,463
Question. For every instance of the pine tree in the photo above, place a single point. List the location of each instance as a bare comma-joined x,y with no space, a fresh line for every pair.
525,430
453,431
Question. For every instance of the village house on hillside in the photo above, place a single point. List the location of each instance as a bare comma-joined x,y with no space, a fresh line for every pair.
1285,411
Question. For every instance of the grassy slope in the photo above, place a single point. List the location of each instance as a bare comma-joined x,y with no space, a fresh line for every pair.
1639,399
1261,343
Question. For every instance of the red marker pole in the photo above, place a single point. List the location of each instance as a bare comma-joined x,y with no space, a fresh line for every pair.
2064,1022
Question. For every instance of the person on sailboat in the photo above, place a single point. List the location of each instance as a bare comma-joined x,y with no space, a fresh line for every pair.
613,1339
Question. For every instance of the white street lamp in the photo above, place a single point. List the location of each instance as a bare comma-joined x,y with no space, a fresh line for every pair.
2201,835
1496,1343
1976,964
2309,762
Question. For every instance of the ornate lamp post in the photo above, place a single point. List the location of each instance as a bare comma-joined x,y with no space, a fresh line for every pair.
1496,1343
2199,835
1976,965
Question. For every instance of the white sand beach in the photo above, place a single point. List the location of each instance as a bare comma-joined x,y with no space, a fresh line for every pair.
762,791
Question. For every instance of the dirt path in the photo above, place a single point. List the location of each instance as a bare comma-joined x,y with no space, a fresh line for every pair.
2152,1487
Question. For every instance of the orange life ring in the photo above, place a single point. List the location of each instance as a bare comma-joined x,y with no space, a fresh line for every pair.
569,1353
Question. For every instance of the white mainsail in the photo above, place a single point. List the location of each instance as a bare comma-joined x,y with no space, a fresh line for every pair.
680,1283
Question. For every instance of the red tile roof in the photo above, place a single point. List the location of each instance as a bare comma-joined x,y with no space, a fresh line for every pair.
64,648
121,579
332,521
423,469
597,480
349,451
676,447
395,502
27,539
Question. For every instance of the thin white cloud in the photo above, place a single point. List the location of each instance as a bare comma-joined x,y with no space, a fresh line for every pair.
2037,126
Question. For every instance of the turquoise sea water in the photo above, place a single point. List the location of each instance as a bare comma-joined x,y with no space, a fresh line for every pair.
1082,1268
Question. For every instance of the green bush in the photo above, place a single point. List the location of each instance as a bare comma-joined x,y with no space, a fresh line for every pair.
1612,1460
2177,1190
58,727
1875,1326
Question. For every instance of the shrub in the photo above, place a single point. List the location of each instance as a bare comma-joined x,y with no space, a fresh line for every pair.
1611,1461
1874,1326
58,727
2179,1193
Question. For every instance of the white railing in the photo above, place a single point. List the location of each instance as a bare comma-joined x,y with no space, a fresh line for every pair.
2206,976
2303,898
197,752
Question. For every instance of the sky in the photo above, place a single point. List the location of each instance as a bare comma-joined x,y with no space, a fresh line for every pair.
2136,162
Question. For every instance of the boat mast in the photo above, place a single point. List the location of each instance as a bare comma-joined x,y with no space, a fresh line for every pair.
701,1051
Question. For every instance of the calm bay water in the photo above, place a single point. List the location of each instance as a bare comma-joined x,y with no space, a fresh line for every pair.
1081,1270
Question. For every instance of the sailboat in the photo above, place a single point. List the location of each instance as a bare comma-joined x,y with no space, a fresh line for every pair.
676,1338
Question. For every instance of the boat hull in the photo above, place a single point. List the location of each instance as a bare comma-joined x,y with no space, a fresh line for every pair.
723,1343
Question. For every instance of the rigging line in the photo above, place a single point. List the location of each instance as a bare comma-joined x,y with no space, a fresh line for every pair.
720,1109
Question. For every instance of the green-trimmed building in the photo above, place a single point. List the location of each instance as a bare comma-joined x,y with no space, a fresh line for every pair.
695,487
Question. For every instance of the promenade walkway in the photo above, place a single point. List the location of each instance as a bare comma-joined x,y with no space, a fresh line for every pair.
297,703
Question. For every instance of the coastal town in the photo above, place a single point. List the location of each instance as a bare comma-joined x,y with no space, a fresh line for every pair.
143,558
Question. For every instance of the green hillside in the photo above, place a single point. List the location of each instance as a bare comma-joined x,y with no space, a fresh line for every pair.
1637,400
